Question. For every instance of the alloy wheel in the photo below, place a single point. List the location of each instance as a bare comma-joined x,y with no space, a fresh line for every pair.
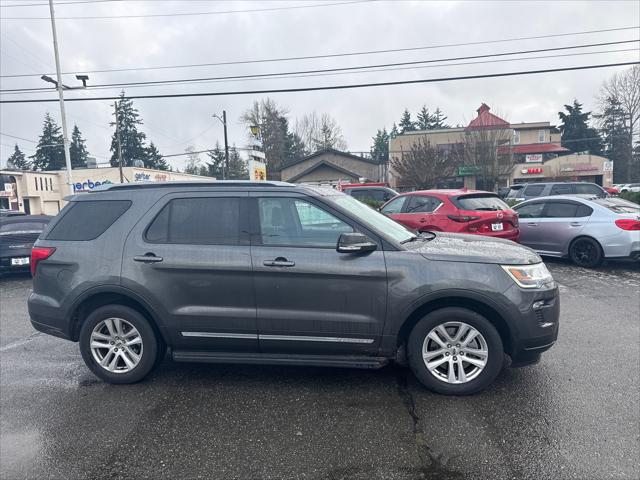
455,352
584,252
116,345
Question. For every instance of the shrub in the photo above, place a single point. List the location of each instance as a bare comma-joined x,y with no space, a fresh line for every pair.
631,196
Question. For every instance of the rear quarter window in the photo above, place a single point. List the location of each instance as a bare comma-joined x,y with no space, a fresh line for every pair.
88,220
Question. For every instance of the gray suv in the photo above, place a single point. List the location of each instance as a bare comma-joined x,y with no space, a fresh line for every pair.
527,191
273,273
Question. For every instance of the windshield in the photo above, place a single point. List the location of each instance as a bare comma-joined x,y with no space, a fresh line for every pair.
481,202
618,205
374,218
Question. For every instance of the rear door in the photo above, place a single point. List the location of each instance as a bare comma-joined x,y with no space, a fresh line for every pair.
190,258
561,222
309,297
418,213
530,215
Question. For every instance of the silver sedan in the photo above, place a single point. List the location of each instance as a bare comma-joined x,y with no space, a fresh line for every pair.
584,228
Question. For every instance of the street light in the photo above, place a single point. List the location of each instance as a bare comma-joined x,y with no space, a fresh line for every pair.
225,170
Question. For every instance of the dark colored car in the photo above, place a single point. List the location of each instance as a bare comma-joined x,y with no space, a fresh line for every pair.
535,190
458,211
273,273
371,194
5,212
17,235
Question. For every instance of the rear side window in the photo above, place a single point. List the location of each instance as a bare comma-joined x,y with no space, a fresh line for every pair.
561,210
588,189
197,221
481,202
88,220
20,228
533,190
422,204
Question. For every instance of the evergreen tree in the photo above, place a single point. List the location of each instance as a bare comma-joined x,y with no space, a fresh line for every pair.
394,131
577,135
406,124
380,148
437,120
17,160
616,138
424,119
77,149
237,166
215,167
132,141
153,158
50,149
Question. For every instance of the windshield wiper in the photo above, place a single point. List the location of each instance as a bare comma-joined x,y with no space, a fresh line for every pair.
420,236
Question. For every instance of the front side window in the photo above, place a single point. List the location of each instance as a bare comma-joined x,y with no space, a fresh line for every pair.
533,190
532,210
197,221
297,223
394,206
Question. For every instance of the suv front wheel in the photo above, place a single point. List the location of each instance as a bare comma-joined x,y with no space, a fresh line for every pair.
455,351
118,344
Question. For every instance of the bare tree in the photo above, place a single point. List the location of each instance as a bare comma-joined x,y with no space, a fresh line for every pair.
622,93
423,165
193,161
487,151
319,131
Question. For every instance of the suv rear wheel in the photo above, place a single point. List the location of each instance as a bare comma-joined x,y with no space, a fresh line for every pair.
118,344
455,351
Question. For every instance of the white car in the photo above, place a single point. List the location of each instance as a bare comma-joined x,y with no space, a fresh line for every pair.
629,187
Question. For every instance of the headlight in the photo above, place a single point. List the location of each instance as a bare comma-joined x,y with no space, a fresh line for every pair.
529,276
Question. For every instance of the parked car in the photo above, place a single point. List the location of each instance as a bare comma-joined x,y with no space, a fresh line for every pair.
630,187
273,273
5,212
585,229
536,190
611,190
375,194
17,235
458,211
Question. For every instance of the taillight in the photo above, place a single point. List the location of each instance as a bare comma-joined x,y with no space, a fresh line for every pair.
39,253
628,224
462,218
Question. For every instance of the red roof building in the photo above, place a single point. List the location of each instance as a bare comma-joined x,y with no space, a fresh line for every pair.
487,120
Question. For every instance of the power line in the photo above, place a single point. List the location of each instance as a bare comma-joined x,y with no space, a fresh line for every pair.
332,55
18,138
341,69
186,14
57,3
330,87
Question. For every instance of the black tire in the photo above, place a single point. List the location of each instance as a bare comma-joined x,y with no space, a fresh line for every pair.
150,344
494,362
586,252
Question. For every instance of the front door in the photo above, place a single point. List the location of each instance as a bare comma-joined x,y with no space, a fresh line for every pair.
529,217
190,257
309,297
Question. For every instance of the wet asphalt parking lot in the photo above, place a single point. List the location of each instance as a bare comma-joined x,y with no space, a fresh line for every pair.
574,415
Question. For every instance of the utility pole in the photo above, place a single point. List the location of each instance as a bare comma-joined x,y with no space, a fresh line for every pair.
115,105
63,116
226,145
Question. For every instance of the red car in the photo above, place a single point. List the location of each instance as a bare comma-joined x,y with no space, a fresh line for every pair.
612,190
458,211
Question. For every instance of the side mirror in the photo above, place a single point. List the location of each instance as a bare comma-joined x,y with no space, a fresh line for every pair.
355,243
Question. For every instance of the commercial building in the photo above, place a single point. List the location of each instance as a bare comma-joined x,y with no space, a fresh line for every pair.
532,148
330,167
42,193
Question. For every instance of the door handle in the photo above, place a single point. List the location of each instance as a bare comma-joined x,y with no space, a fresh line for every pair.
147,258
423,220
532,224
278,262
576,224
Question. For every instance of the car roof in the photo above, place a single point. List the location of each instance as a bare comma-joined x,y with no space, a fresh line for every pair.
449,192
579,196
194,184
25,218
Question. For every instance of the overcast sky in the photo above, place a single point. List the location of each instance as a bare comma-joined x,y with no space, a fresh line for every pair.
173,124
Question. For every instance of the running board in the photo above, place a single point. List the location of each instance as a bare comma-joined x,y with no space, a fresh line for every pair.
344,361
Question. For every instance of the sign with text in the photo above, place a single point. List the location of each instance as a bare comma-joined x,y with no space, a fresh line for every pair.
533,158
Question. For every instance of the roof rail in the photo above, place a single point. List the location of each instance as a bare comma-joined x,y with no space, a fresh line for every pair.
198,183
